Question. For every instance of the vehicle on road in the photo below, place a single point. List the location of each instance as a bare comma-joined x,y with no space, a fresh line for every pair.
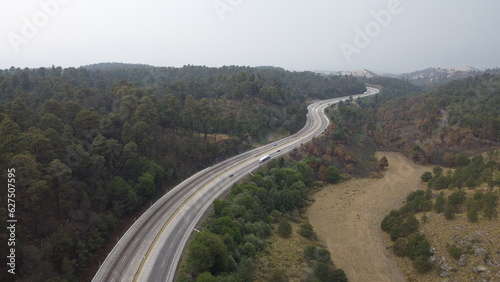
264,158
165,237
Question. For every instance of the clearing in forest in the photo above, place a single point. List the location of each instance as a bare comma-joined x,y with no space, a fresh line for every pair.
347,218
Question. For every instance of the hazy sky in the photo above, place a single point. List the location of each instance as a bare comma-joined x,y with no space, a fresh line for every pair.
379,35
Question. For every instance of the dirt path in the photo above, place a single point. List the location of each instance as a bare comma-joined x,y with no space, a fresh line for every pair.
347,219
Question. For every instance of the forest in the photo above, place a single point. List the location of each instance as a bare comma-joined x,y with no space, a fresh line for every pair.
235,234
461,116
92,147
392,120
455,125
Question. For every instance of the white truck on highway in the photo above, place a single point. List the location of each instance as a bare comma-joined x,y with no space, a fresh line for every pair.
264,158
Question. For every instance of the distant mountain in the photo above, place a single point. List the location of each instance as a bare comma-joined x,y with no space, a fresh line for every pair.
437,76
357,73
113,65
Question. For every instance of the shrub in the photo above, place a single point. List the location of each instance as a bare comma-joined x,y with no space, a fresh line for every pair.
457,199
422,264
437,170
399,247
455,251
439,182
383,163
410,225
449,211
490,201
396,231
322,271
333,174
306,230
323,255
394,217
417,246
279,276
440,203
206,277
425,218
284,228
473,208
338,275
249,249
461,160
417,201
245,270
310,252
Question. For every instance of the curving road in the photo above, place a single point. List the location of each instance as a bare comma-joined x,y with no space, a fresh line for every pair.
151,248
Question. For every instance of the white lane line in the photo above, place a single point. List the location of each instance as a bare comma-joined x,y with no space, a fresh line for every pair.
124,258
239,164
113,279
163,264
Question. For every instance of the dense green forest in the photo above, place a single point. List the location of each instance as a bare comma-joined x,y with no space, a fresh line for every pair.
236,233
93,146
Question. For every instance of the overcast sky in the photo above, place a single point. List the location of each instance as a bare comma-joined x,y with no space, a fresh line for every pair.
379,35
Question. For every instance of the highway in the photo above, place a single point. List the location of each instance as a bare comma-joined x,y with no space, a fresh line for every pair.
151,248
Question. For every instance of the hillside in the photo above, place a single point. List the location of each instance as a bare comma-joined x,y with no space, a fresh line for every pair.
92,147
461,116
356,73
437,76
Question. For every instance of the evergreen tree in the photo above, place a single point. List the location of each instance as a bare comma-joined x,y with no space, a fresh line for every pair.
284,228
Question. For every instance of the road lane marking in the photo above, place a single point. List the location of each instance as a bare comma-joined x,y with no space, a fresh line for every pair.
163,264
251,159
197,191
330,102
124,258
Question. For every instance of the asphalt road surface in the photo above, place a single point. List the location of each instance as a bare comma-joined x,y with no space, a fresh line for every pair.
151,248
